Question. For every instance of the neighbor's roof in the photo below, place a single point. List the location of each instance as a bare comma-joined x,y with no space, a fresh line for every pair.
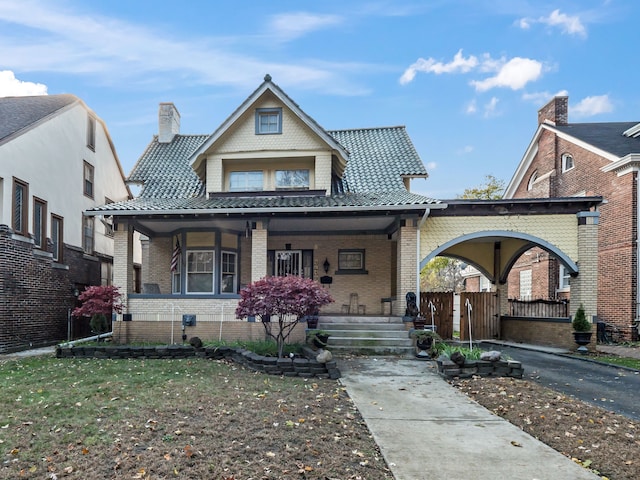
19,113
378,159
605,136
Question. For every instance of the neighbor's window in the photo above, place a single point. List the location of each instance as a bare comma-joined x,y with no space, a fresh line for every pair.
351,261
532,180
88,234
56,237
20,206
563,278
268,121
292,179
91,132
245,181
200,271
525,285
107,221
40,223
567,162
228,284
88,179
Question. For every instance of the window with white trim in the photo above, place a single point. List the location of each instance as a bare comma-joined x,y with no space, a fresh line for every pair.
245,181
200,271
532,180
292,179
268,121
567,162
525,285
563,278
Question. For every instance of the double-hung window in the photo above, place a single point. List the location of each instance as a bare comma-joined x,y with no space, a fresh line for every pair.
200,271
91,132
228,273
268,121
564,277
567,162
56,237
39,223
88,234
245,181
88,179
20,207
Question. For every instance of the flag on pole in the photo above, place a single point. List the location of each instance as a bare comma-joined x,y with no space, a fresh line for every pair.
175,257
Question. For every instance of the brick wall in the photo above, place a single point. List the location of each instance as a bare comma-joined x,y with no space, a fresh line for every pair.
550,333
35,293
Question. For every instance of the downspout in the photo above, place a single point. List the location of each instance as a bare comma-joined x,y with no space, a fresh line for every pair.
637,315
420,224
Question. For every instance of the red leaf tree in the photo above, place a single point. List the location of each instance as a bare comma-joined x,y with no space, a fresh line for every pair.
99,302
286,298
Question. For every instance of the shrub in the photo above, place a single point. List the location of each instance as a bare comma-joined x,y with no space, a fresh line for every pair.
580,322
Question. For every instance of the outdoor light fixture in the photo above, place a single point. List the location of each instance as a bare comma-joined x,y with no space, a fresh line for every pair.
326,265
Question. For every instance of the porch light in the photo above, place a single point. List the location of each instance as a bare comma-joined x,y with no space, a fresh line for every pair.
326,265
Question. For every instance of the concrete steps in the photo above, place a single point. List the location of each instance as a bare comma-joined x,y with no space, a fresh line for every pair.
367,335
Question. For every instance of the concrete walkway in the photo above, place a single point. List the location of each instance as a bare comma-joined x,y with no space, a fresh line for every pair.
427,429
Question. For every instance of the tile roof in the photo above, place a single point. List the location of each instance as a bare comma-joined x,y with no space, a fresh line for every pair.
606,136
378,158
18,113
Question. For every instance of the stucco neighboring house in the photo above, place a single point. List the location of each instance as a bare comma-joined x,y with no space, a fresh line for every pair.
56,161
567,159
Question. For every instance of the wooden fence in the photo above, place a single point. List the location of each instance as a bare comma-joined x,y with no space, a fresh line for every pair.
539,308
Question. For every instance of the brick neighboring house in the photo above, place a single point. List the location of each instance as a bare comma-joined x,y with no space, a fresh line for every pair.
581,159
56,161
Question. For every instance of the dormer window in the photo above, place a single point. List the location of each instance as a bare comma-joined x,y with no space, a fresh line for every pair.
567,162
292,179
268,121
245,181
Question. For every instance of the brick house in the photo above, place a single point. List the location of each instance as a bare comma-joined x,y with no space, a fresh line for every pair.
581,159
56,160
271,192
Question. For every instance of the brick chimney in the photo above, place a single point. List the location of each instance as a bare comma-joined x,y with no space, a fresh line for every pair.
168,122
556,111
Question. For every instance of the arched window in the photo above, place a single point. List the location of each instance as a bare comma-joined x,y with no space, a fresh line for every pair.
567,162
532,180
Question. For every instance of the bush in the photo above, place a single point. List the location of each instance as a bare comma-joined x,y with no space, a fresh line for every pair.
580,322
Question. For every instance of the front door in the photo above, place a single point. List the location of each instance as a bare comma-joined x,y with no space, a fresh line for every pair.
288,262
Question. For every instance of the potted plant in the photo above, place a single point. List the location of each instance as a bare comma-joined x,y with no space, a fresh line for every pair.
424,341
581,328
318,338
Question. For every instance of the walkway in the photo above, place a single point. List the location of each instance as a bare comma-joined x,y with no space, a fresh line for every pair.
427,429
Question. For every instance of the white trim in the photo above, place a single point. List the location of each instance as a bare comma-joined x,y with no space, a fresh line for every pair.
633,131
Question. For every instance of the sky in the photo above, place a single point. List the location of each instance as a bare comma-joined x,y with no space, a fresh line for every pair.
465,77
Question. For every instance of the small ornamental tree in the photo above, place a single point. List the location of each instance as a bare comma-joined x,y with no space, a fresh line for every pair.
286,298
99,302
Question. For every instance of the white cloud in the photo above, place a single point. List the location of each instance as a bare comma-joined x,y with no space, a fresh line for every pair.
467,149
432,166
514,74
591,106
570,25
288,26
459,64
10,86
541,98
490,108
471,107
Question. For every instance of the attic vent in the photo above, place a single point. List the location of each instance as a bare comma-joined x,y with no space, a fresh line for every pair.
633,132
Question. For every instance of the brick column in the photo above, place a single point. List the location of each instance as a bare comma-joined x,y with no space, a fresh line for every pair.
407,267
584,287
259,251
123,260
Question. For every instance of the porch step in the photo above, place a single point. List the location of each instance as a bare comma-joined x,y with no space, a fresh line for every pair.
370,335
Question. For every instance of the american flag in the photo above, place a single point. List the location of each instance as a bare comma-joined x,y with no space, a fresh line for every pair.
175,257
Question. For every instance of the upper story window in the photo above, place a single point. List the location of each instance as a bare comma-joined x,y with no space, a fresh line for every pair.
532,180
39,223
57,228
88,179
292,179
567,162
245,181
563,278
268,121
20,207
91,132
88,235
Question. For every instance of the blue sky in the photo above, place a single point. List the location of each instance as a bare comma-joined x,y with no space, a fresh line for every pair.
466,77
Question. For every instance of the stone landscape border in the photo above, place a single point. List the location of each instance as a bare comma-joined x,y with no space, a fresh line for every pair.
483,368
298,366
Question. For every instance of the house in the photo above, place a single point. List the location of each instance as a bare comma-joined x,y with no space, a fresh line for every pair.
271,192
567,159
56,161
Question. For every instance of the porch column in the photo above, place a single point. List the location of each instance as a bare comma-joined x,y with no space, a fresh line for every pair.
584,287
407,277
259,251
123,260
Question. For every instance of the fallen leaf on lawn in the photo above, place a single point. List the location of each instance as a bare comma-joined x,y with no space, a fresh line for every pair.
515,444
85,450
270,454
68,470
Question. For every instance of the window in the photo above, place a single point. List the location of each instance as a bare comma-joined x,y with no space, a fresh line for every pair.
107,221
39,223
525,285
563,280
88,179
268,121
245,181
567,162
351,261
88,236
20,206
91,132
106,273
288,262
532,180
200,271
228,283
292,179
56,238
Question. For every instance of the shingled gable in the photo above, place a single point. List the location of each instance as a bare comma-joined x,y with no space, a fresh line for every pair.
198,157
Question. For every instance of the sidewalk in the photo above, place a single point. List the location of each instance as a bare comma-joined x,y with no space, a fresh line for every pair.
427,429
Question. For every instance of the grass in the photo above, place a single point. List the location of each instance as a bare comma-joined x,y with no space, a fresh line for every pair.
181,419
633,363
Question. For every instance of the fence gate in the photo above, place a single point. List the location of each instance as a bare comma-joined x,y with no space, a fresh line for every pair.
485,316
443,317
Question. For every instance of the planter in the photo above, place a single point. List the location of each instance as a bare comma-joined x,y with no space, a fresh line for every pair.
582,339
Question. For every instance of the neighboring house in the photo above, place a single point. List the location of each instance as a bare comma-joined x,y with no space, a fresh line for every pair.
56,161
582,159
271,192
